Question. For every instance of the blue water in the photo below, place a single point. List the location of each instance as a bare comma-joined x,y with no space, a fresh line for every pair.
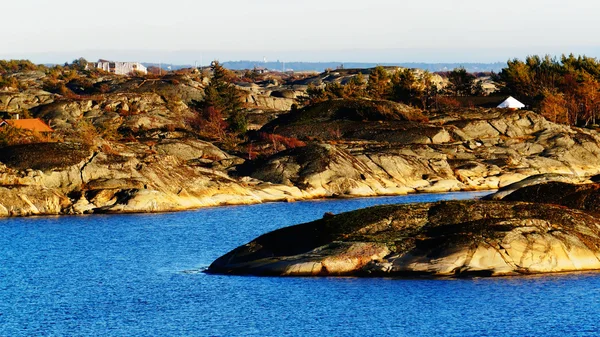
140,275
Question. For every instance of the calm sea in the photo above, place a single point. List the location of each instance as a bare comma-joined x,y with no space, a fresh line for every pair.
141,275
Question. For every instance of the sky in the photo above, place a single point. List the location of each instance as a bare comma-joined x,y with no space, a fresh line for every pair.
198,31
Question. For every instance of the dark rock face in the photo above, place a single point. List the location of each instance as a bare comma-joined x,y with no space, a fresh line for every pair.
584,197
44,156
353,119
535,181
456,238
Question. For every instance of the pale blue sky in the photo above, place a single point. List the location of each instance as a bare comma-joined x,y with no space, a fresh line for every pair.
309,30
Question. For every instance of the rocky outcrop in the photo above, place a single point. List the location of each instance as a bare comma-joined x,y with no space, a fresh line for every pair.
327,170
445,239
356,119
584,197
17,102
470,151
129,111
537,181
268,97
171,87
164,175
257,101
344,76
144,154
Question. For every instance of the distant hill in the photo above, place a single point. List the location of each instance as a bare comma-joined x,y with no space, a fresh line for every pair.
321,66
167,66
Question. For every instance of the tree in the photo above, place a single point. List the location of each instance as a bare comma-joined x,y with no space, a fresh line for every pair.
554,107
517,80
429,92
378,85
588,98
222,96
79,64
461,82
565,90
355,87
407,88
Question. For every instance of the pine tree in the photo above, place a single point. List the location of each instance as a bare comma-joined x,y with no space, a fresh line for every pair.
355,87
461,82
378,85
404,87
222,96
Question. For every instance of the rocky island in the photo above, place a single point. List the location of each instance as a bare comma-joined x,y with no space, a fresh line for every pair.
512,236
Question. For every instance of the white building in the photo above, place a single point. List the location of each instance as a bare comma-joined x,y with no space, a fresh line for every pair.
511,103
120,68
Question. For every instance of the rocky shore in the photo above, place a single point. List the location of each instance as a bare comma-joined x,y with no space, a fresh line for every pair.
473,151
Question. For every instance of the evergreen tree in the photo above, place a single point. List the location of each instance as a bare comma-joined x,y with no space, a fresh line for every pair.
355,87
461,82
404,87
222,96
378,85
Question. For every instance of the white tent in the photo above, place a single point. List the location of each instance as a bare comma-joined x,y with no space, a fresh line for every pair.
511,103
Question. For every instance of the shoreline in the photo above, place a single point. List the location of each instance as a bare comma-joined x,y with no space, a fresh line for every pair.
225,204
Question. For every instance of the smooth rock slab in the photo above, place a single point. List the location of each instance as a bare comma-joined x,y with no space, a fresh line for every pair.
451,238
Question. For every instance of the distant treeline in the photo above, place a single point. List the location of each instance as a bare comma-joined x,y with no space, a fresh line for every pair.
322,66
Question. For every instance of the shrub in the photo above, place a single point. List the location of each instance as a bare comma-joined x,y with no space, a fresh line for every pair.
8,82
209,124
16,66
447,103
13,136
238,123
276,140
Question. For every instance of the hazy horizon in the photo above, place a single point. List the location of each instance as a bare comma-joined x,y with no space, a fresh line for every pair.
188,32
199,57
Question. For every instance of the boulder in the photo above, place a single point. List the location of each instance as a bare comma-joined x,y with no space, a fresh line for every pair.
16,102
267,102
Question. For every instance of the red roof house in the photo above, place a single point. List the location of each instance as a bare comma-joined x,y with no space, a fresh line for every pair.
32,124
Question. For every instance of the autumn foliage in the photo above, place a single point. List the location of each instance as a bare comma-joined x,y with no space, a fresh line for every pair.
276,139
565,90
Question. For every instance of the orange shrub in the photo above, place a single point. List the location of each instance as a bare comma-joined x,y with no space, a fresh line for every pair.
288,142
448,103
